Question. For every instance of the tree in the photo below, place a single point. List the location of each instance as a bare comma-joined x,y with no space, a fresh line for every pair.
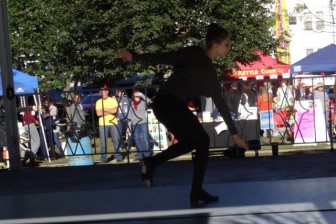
77,39
33,39
167,26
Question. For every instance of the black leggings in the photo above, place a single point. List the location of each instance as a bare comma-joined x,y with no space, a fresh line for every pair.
184,125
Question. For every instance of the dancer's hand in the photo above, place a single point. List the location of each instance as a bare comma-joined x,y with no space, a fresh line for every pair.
125,55
241,143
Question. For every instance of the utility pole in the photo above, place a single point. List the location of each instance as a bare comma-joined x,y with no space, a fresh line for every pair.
9,100
332,10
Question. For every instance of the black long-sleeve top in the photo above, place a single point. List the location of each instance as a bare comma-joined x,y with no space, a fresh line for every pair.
194,76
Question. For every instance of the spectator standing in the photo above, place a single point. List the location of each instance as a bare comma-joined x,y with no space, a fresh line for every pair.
124,103
3,137
332,103
77,112
299,90
243,108
48,124
322,96
252,94
29,121
233,99
139,124
274,89
106,109
53,113
244,98
285,96
194,76
57,133
265,99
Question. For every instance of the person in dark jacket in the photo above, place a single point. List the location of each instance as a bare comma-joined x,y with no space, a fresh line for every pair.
233,99
194,76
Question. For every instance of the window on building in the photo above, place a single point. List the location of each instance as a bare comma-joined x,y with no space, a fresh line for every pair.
307,18
320,20
308,25
292,20
320,25
319,15
309,51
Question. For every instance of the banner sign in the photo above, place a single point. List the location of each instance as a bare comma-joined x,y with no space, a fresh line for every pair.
281,30
266,119
311,80
310,125
256,72
158,133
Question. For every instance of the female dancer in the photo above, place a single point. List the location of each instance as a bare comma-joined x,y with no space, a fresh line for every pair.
194,76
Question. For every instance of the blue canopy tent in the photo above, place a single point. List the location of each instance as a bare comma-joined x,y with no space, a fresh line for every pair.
323,60
23,83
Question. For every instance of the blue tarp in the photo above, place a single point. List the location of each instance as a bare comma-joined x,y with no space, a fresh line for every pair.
323,60
23,83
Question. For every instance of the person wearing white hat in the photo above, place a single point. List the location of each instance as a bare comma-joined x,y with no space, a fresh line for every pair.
322,96
138,124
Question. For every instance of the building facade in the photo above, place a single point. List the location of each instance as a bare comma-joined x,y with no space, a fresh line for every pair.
311,26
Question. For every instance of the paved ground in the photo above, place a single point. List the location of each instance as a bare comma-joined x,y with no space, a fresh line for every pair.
285,189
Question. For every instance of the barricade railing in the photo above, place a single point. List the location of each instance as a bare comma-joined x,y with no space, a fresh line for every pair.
297,113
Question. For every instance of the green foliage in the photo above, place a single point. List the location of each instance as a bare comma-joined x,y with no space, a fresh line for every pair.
299,8
32,33
77,39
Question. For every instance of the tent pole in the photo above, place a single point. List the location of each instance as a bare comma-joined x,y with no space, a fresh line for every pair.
12,132
39,104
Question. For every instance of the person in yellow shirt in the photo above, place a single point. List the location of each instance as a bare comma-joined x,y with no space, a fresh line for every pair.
106,109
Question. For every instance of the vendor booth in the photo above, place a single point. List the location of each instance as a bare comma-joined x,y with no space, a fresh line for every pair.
318,67
267,66
321,61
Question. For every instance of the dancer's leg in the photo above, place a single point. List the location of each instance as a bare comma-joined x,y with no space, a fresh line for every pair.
180,121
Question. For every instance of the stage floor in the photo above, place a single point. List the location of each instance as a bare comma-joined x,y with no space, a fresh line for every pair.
286,189
283,201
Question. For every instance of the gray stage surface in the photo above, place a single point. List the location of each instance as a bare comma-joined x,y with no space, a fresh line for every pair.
286,189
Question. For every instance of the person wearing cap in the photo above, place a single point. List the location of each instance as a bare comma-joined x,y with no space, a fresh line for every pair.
106,109
138,124
322,96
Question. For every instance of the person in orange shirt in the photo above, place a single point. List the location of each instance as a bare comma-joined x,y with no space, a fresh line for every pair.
265,99
264,102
